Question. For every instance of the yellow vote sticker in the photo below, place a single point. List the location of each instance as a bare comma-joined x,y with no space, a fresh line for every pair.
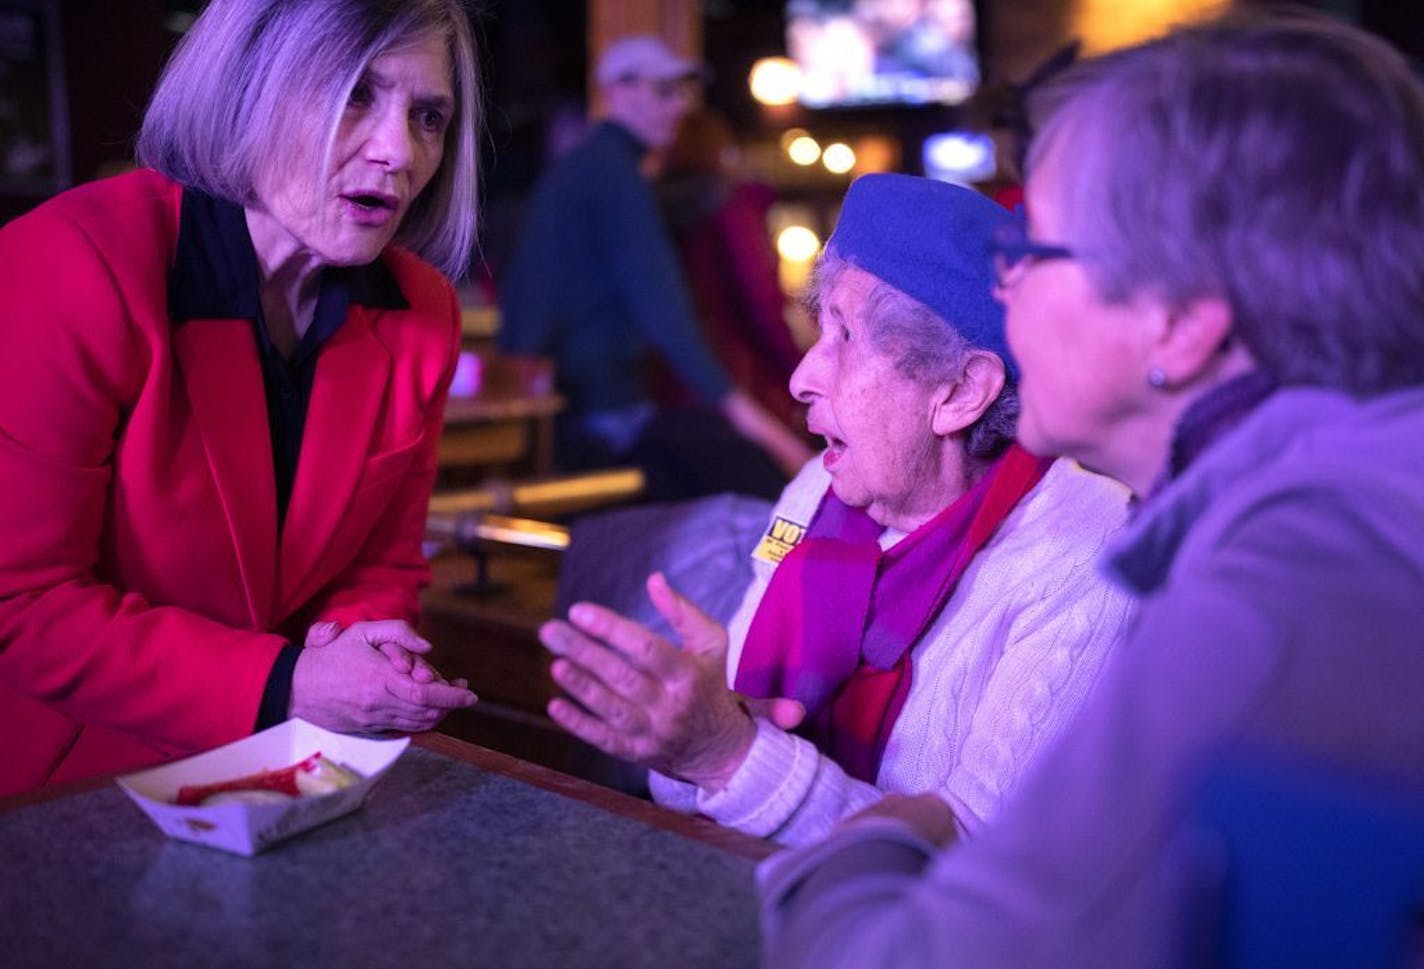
781,537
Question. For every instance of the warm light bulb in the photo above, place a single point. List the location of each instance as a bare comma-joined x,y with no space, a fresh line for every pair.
796,243
775,80
838,158
790,135
804,150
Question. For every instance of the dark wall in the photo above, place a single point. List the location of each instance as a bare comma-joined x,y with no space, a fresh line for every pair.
113,51
535,66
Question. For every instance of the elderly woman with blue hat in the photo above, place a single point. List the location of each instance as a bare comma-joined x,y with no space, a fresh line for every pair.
924,614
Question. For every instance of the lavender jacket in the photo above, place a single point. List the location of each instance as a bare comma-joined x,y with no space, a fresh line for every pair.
1282,587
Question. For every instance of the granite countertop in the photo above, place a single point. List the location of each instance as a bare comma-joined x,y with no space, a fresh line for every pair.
446,865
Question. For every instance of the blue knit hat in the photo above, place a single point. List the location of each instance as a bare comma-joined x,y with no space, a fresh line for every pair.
930,240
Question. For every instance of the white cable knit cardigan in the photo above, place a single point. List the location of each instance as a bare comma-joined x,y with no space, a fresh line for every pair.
1006,664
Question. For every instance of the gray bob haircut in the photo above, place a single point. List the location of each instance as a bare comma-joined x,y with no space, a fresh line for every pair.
925,349
245,81
1272,160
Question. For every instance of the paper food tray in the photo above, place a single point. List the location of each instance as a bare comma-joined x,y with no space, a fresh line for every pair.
246,829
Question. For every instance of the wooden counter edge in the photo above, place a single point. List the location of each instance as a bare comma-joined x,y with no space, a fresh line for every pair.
13,802
614,802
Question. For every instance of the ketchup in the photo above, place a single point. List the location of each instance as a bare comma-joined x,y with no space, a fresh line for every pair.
283,781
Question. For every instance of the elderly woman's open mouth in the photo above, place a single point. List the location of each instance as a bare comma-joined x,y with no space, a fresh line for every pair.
835,450
835,446
371,208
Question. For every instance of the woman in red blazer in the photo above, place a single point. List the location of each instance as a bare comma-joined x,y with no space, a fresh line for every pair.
221,387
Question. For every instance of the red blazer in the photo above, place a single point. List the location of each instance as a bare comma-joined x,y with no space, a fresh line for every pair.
144,591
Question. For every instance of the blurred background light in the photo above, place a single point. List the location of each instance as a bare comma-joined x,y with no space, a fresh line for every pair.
1103,25
804,150
876,153
775,80
796,243
960,156
838,158
789,136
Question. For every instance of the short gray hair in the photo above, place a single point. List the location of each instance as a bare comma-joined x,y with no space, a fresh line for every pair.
234,91
1273,160
924,347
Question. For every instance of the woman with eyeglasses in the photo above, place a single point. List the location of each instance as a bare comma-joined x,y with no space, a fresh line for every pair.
222,383
924,590
1217,300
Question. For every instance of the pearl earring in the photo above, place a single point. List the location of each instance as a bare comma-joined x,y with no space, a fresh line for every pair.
1157,378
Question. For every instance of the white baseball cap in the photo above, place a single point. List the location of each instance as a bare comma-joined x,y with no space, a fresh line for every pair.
643,56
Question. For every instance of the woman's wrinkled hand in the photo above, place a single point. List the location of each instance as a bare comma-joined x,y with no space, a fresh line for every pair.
641,698
370,678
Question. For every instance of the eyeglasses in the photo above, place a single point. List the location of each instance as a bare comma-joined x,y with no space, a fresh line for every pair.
1014,252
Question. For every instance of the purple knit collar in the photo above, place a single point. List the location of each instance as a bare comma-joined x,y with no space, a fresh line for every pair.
1215,413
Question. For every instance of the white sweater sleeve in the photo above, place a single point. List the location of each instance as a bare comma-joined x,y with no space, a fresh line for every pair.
785,790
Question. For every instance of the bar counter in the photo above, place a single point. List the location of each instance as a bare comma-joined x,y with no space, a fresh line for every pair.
460,857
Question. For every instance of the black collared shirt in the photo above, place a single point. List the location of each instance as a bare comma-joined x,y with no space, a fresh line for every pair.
215,277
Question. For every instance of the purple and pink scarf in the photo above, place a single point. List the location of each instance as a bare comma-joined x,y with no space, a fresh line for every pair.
836,624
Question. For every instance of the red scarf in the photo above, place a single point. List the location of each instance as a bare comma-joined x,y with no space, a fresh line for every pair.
835,627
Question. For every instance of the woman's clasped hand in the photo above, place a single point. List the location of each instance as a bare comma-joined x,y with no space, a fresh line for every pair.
372,677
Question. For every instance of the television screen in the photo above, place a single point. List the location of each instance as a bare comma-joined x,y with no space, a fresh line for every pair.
877,52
